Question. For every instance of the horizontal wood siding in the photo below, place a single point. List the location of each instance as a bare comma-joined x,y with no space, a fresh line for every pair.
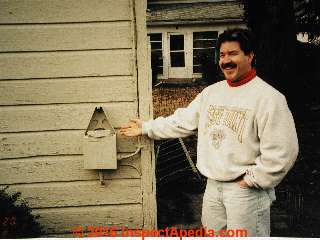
68,90
58,61
61,11
52,143
80,193
65,64
69,36
113,215
62,116
63,168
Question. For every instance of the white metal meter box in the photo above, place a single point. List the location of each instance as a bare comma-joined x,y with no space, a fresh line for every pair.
99,145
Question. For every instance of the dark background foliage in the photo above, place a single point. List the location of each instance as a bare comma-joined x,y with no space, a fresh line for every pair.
281,60
16,218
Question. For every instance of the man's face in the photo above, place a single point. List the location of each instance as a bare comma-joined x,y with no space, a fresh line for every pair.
233,62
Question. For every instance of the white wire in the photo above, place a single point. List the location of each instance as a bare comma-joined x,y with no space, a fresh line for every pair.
130,155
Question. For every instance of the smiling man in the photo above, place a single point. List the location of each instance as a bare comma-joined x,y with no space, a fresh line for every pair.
247,140
235,62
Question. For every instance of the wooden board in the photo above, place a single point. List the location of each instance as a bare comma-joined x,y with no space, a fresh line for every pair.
17,145
63,220
67,90
63,168
54,11
51,37
65,64
145,113
80,193
62,116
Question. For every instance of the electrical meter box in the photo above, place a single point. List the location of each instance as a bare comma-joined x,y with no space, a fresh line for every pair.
99,145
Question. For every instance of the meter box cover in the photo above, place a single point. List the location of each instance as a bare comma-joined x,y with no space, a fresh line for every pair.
99,145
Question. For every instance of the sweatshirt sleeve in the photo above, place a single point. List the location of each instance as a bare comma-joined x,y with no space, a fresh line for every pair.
183,123
278,146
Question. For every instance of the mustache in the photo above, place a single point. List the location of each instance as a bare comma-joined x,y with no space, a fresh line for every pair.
228,65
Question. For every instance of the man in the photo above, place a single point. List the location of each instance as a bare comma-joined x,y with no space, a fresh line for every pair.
247,140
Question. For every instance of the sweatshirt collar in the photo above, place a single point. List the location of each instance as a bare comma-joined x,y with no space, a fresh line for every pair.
249,76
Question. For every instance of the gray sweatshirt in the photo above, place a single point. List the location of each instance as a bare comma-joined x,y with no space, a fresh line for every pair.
246,130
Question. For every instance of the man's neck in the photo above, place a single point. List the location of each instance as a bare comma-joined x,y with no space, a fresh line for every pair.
243,80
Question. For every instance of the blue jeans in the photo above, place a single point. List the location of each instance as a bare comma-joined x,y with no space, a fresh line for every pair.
228,206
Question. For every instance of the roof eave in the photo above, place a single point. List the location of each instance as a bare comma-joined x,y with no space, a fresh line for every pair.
192,22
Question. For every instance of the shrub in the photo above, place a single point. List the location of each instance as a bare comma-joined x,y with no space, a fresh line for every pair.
16,219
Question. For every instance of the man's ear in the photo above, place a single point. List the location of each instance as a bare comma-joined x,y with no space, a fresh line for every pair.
250,57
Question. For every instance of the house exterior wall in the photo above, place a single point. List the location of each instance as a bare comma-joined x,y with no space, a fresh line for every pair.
58,61
187,30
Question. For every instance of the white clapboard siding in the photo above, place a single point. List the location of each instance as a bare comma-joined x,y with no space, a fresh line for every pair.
68,90
63,168
16,145
62,116
59,59
80,193
78,36
63,220
65,64
61,11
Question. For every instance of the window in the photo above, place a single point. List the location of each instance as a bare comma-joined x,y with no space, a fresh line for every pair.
204,44
177,50
156,52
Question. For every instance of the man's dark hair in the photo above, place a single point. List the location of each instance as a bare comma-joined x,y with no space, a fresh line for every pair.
243,36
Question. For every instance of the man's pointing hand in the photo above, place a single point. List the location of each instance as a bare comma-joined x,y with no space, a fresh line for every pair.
132,129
